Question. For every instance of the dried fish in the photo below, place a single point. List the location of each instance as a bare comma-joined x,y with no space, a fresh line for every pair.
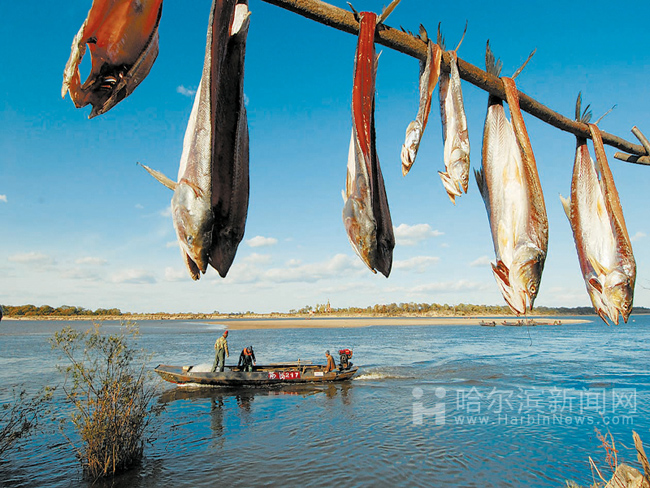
596,217
510,187
454,128
429,73
123,39
366,214
210,201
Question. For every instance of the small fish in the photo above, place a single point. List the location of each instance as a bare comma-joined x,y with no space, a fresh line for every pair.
429,73
366,214
454,127
510,187
123,39
210,201
596,217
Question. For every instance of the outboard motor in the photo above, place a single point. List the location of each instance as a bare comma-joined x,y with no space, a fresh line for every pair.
345,355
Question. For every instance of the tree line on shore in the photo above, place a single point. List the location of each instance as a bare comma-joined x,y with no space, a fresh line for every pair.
391,309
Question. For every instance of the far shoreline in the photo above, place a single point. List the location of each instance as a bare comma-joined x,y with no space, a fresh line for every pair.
278,321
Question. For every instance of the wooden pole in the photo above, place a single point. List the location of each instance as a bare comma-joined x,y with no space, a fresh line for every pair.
413,46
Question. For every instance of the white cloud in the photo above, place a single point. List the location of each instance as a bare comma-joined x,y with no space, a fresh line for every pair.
480,262
294,272
257,258
91,261
449,286
259,241
187,92
80,274
638,236
172,244
31,258
134,276
139,206
411,235
418,264
3,198
176,274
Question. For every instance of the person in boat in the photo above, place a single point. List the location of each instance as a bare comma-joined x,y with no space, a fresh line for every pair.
246,359
221,352
331,365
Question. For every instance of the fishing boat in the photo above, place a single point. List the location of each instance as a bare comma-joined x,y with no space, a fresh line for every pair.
487,324
271,374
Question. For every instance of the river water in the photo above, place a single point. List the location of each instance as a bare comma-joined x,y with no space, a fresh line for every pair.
432,405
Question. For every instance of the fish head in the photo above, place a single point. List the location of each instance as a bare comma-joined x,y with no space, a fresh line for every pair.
123,42
528,272
612,295
361,230
192,217
519,283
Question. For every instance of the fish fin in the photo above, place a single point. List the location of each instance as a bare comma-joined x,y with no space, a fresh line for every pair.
451,186
599,269
566,204
501,270
160,177
482,187
596,285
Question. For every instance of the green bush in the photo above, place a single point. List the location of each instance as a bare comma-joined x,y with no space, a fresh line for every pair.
108,385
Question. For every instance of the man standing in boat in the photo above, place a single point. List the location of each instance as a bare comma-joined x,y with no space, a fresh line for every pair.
221,352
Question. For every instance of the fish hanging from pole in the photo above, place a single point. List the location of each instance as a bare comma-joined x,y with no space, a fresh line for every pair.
366,214
210,201
454,126
122,36
512,193
429,73
596,217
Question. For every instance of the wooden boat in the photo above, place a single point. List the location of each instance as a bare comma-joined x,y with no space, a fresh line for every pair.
487,324
271,374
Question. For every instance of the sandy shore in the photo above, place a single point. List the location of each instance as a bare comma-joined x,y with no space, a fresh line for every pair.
279,322
348,322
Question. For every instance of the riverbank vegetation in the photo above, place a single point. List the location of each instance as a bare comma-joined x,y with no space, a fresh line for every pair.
410,309
109,388
21,416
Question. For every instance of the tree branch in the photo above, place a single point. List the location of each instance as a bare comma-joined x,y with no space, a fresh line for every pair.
343,20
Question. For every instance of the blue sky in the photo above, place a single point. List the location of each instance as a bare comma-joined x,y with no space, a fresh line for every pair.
83,225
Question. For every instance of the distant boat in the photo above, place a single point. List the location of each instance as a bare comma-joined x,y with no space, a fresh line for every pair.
531,323
271,374
487,324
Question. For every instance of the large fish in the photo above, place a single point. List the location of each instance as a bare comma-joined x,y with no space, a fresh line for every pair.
601,238
429,73
123,39
510,187
210,201
366,214
454,128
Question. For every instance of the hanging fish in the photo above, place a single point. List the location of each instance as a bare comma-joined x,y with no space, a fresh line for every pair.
123,39
510,187
454,127
596,217
429,73
366,214
210,201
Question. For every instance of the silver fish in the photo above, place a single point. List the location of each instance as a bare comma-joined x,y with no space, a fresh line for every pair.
366,214
454,130
429,73
596,217
210,201
510,187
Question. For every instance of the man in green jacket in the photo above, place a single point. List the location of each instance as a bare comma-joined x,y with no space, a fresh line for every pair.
221,352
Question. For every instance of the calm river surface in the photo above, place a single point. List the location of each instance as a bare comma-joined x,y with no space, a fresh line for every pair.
432,405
